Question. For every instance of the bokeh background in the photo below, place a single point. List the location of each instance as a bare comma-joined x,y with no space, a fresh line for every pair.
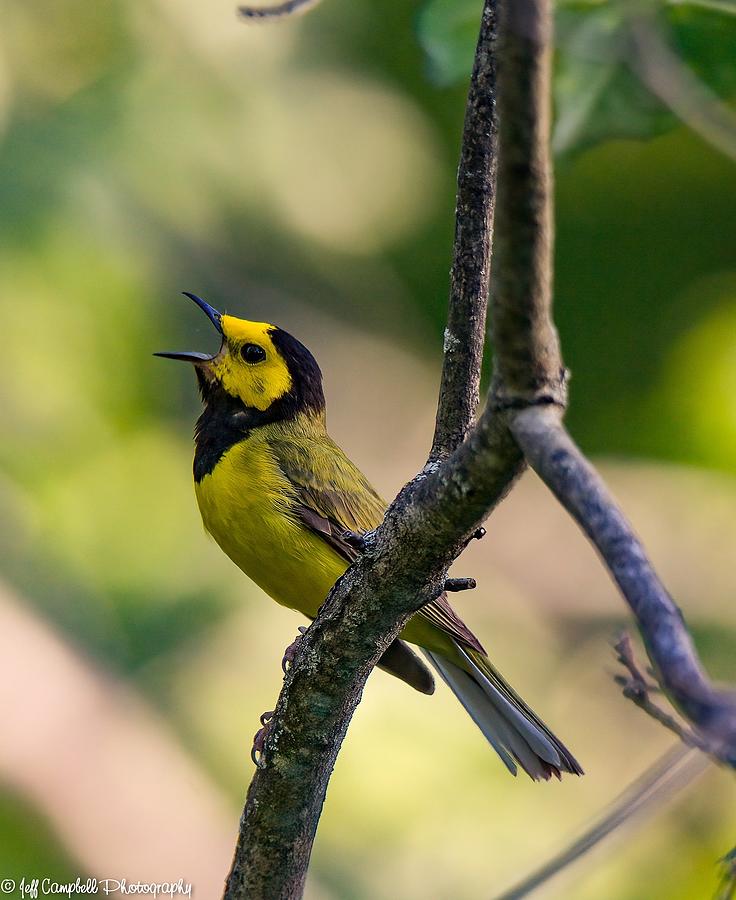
303,173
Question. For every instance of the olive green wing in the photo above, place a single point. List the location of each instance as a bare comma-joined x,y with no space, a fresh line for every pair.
333,497
332,494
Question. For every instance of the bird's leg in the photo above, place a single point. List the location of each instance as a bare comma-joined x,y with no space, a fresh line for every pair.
290,651
259,739
355,540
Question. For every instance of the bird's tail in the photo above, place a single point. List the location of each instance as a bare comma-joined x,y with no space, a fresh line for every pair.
510,726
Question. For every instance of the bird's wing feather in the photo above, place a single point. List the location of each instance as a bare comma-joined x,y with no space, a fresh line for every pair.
333,496
328,484
443,616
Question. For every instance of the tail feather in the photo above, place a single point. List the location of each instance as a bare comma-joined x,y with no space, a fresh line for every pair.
514,731
471,695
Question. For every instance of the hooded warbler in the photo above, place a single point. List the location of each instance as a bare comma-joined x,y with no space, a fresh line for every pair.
281,498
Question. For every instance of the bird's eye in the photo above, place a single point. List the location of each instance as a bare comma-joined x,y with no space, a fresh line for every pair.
252,353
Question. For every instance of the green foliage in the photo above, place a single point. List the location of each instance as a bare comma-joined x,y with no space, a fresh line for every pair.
599,93
448,31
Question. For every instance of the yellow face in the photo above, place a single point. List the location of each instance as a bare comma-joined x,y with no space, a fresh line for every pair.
258,364
248,365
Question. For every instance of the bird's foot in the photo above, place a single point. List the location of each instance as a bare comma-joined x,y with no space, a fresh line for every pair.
259,739
290,651
355,540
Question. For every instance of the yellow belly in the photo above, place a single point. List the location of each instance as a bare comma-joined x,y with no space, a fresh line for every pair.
245,505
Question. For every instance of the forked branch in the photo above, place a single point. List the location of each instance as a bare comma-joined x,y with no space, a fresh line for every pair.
470,469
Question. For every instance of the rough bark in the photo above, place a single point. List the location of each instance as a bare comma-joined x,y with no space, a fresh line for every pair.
469,277
528,366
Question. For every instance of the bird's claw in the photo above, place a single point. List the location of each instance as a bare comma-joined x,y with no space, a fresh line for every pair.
290,651
259,739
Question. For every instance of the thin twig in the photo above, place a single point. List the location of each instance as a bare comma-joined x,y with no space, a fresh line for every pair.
674,771
460,584
671,773
279,11
637,689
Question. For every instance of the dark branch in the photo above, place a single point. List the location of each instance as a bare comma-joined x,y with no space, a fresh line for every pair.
469,276
528,367
529,378
576,484
279,11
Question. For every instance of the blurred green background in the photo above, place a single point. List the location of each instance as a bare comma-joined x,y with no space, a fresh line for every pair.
303,173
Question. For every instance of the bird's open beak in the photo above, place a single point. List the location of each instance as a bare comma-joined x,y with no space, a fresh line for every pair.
191,356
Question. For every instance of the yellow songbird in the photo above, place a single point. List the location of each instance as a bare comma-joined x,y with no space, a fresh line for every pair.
280,497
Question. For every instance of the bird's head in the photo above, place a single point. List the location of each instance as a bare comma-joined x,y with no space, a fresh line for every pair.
258,364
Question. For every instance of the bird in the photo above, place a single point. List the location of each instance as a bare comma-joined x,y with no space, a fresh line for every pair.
285,503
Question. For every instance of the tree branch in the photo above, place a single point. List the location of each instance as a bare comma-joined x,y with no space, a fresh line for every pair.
528,367
529,378
576,484
405,561
470,273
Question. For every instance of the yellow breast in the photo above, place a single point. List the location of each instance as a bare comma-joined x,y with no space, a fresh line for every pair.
247,504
